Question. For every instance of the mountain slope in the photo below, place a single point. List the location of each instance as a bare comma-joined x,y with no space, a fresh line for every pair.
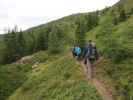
62,74
127,4
62,79
12,76
117,75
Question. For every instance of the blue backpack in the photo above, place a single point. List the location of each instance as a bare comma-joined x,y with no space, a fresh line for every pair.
77,50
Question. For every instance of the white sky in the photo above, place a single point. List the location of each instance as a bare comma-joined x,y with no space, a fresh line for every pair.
28,13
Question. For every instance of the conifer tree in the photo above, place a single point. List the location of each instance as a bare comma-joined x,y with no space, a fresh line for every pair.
80,33
11,45
33,44
55,45
122,13
21,44
41,42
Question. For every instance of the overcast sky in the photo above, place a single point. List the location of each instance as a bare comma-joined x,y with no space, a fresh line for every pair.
28,13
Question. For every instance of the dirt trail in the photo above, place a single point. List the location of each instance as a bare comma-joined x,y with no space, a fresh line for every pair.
102,90
97,83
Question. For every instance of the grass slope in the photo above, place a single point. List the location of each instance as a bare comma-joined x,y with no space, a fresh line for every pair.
12,76
62,79
53,76
128,4
118,75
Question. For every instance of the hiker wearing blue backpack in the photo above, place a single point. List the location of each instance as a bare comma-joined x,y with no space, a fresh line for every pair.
76,52
73,51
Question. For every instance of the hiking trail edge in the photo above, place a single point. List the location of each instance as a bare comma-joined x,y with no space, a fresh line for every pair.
95,82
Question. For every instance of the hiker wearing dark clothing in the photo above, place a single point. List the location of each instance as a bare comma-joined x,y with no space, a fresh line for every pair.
87,51
90,52
91,55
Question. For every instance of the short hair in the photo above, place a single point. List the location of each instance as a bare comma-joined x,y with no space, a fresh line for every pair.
90,41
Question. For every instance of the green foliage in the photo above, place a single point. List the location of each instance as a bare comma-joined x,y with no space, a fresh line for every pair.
85,24
92,20
62,79
80,33
56,40
15,45
115,50
115,43
37,38
42,41
11,44
131,11
114,40
3,53
104,35
112,48
122,13
119,77
105,10
33,45
20,44
115,17
40,57
11,77
128,4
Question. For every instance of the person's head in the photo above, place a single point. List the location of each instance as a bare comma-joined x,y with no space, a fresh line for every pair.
89,41
75,45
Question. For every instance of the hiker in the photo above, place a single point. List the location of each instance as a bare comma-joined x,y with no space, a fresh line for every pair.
90,55
87,51
76,52
90,52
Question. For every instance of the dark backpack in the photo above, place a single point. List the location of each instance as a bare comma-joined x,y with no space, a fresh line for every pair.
89,51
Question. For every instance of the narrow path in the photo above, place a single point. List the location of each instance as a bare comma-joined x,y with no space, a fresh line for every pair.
95,82
102,90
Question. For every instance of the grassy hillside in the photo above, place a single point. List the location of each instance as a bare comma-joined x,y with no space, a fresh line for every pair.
127,3
62,79
38,38
59,76
115,43
12,76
